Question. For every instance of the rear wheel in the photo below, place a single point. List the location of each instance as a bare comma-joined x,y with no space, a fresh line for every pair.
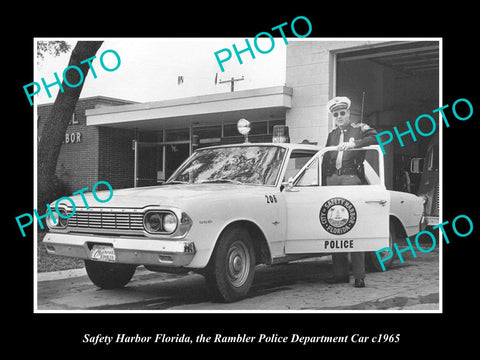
108,275
371,260
230,272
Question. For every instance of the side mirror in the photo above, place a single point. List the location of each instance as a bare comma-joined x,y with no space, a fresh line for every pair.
416,165
288,185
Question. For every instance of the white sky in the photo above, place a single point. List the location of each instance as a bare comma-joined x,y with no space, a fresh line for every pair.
150,67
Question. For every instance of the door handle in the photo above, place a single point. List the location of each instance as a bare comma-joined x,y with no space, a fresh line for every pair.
381,202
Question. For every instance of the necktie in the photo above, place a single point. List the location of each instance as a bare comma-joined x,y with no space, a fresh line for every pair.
338,162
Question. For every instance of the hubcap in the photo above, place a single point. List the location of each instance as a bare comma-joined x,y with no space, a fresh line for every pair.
238,264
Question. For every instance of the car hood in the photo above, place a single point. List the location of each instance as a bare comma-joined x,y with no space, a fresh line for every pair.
164,195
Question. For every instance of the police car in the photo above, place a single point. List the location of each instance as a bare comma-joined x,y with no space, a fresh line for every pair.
229,208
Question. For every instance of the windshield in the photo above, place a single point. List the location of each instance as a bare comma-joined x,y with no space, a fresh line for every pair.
257,165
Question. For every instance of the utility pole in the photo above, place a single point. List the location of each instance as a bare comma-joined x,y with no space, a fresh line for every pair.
231,81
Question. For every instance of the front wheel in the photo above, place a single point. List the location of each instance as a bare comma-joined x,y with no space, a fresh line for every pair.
108,275
230,272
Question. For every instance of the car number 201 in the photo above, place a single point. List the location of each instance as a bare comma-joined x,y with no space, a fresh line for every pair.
271,199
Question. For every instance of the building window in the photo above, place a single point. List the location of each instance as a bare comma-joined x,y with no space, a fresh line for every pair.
177,134
258,128
230,130
208,134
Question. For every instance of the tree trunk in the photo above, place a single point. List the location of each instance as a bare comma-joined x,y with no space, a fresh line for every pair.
56,125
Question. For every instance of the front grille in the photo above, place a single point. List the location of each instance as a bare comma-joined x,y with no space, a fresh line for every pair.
111,220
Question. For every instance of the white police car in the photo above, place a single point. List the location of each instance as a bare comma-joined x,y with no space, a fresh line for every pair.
229,208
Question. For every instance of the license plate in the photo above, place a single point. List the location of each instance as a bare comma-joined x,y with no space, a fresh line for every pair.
103,253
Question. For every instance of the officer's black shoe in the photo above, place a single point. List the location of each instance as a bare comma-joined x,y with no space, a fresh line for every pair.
338,280
359,283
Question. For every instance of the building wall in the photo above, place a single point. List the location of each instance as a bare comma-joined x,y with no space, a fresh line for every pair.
310,72
116,157
78,162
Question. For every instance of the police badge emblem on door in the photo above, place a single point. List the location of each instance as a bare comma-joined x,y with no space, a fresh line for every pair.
338,216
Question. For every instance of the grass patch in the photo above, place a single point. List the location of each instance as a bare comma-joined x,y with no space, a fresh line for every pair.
47,262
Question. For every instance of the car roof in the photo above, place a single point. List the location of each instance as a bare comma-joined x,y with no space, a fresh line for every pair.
292,146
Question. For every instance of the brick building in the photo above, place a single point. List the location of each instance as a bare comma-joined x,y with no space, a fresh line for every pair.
91,153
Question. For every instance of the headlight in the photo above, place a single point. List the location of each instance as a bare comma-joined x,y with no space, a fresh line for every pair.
60,222
160,222
50,220
169,223
153,221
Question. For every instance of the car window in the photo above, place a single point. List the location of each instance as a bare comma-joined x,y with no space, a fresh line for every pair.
296,162
310,176
364,163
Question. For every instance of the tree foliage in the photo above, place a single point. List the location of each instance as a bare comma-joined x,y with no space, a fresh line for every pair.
54,48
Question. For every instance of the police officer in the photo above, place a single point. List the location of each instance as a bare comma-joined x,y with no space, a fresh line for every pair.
343,167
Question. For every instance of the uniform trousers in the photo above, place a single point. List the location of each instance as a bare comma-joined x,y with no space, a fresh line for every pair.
340,260
340,265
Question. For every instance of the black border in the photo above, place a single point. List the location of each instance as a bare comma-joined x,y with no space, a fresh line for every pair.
62,334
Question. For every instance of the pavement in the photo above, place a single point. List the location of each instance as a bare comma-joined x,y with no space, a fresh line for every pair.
411,286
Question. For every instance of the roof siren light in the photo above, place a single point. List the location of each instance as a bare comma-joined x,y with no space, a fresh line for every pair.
243,127
280,134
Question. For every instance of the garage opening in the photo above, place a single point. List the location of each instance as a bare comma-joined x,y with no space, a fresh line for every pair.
389,85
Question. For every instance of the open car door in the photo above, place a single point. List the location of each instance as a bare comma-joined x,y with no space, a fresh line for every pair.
340,218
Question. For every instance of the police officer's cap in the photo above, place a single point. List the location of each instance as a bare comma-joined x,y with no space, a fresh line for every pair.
339,103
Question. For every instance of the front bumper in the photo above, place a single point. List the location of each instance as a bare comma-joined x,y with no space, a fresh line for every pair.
128,250
432,220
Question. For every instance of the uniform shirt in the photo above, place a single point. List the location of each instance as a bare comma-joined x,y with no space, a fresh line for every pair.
362,134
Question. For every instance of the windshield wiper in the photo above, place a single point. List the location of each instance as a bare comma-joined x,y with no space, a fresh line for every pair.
220,181
175,182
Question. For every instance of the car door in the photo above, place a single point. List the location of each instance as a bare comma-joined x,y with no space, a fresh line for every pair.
346,218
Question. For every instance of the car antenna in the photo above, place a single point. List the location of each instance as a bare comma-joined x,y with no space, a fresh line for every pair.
363,102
